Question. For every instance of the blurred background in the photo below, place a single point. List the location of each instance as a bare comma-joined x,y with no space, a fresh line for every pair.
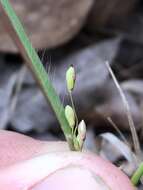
85,34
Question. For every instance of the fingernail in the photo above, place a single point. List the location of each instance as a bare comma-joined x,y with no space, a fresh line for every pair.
70,178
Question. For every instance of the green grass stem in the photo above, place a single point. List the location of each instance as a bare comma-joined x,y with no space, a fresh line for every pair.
16,30
137,175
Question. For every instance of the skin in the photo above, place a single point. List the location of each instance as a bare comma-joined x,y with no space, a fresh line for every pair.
27,164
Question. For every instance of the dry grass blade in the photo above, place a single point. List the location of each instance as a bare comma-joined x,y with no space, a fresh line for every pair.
121,146
5,117
13,88
18,86
129,116
118,130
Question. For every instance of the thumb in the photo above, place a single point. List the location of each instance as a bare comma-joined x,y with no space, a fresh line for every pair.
51,166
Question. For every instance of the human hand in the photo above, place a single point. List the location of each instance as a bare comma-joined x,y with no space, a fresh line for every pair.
28,164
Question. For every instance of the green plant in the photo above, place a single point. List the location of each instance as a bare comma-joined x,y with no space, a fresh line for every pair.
137,174
74,132
20,38
78,129
13,24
